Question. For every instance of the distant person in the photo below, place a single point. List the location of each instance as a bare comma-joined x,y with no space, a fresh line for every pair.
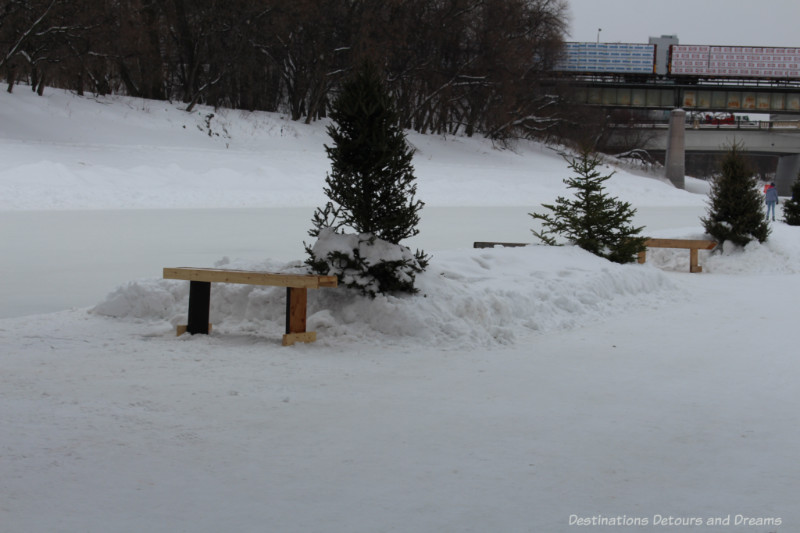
772,199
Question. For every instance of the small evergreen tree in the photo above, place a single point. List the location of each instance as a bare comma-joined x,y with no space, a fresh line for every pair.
736,209
371,184
371,188
592,220
791,208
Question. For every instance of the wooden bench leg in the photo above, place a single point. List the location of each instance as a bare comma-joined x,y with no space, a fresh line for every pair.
694,265
199,301
296,308
642,256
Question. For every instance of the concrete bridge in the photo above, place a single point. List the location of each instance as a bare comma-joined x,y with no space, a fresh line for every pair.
743,96
774,138
778,138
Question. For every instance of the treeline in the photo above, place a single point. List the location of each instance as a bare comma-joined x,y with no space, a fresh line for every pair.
452,66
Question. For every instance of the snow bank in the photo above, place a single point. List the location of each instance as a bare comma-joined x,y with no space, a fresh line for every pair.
467,298
779,254
126,153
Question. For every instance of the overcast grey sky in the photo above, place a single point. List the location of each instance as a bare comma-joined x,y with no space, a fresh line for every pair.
721,22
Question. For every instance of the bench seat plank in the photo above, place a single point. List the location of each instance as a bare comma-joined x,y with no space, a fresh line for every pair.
697,244
249,277
484,244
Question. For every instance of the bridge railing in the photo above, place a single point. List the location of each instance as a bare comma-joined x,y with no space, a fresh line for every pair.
745,124
739,124
794,124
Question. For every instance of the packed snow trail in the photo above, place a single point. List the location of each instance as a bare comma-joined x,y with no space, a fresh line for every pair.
683,409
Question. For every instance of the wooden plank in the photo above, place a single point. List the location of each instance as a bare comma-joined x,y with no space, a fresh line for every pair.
296,305
694,265
328,281
699,244
307,336
493,244
181,329
248,277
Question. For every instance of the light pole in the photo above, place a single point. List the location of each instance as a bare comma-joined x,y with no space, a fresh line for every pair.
598,34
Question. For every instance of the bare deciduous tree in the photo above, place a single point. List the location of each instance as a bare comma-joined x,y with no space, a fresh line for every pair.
452,66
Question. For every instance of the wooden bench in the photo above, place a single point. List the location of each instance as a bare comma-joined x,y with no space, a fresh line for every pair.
692,244
297,286
493,244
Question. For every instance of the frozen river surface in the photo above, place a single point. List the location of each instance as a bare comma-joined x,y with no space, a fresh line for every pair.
56,260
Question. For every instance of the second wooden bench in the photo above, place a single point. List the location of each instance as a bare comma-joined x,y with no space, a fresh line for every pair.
484,244
694,245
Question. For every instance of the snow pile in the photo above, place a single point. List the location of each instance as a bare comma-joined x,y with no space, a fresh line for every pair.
370,249
779,254
467,298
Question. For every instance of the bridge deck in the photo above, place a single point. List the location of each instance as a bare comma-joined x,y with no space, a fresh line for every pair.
730,98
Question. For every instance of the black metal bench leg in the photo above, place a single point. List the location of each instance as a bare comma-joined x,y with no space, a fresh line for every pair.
199,301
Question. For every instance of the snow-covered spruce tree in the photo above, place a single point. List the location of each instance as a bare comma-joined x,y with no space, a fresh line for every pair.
736,207
371,188
592,219
791,208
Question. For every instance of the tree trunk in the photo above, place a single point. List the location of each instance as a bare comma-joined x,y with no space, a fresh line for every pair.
12,76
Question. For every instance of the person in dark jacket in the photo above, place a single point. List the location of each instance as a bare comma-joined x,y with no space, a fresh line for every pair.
772,199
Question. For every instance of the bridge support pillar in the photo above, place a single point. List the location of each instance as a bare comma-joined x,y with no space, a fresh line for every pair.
788,169
675,161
